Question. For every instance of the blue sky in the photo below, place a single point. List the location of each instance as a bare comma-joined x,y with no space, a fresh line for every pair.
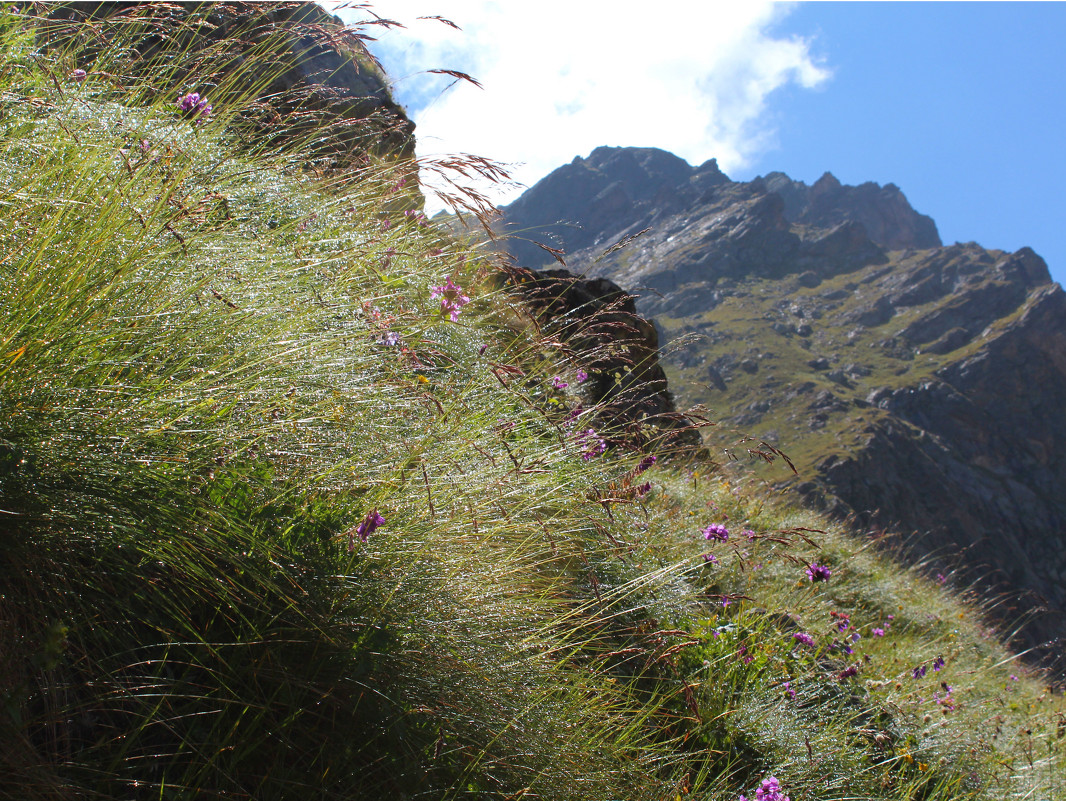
962,105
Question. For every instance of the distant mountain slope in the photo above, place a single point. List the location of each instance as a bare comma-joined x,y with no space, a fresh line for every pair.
919,387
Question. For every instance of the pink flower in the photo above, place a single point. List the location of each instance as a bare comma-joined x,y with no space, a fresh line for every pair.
596,444
451,297
78,75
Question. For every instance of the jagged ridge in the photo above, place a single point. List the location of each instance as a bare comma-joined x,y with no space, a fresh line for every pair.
919,386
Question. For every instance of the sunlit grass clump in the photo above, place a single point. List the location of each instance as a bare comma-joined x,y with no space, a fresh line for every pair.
295,504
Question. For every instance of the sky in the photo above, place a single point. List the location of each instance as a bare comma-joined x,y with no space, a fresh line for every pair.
960,104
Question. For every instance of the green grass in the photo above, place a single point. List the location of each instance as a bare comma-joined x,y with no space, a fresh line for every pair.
217,361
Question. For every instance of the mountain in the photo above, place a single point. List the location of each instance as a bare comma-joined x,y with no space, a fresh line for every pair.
918,387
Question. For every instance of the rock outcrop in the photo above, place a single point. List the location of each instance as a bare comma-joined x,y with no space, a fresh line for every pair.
918,387
619,351
316,84
883,211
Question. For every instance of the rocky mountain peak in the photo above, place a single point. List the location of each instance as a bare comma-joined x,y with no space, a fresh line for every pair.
883,211
825,185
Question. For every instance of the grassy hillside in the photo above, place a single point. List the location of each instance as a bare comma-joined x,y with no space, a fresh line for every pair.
283,517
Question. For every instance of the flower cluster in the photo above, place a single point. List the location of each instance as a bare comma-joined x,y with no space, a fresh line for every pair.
78,75
804,638
817,572
716,531
947,701
417,216
596,444
194,106
645,463
769,790
451,297
843,620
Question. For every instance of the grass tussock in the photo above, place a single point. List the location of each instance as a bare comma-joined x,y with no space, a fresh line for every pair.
286,514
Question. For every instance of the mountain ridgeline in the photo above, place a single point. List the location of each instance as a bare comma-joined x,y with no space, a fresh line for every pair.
918,387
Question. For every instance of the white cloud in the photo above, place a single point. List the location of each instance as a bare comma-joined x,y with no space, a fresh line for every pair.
561,78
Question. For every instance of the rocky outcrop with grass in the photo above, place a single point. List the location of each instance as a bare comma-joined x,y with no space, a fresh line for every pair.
618,354
316,86
918,386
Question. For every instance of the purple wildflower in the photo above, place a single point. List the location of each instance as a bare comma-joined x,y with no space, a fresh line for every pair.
941,578
365,529
848,672
938,663
789,690
597,447
451,297
817,572
716,531
78,75
803,637
877,632
558,383
749,534
644,489
918,672
770,790
710,558
391,339
194,106
855,636
582,376
645,463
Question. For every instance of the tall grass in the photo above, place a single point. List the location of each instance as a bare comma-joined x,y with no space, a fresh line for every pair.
220,360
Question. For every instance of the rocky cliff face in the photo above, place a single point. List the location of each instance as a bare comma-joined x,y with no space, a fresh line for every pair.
918,387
